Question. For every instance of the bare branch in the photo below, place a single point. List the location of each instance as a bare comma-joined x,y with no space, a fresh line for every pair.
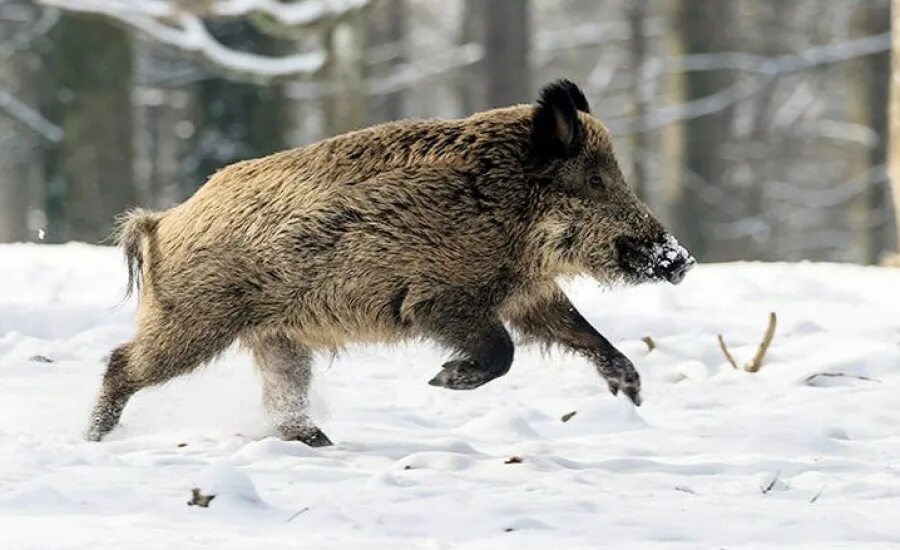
763,70
727,353
29,118
549,44
412,73
401,78
295,14
180,24
756,363
813,380
34,27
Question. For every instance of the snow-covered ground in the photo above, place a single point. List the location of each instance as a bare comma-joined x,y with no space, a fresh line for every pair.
715,458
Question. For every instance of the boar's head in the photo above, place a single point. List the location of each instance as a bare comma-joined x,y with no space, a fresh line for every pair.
592,222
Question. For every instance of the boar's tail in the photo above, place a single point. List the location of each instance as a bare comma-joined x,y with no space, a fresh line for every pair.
134,225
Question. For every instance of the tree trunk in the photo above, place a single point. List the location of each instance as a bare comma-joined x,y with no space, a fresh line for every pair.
165,123
347,98
637,16
17,158
871,79
91,61
237,120
894,152
387,31
468,82
671,137
506,66
14,185
706,27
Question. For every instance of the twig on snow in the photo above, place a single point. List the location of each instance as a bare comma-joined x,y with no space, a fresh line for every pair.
771,485
728,355
756,362
812,378
817,495
199,499
297,513
651,345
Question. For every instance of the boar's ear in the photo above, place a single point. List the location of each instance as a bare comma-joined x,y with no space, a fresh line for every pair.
556,130
581,102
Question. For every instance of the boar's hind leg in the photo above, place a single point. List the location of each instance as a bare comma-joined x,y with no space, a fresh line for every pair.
114,394
160,351
483,348
286,369
555,321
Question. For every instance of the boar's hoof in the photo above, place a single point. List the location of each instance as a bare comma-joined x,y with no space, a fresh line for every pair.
633,393
620,374
314,438
461,374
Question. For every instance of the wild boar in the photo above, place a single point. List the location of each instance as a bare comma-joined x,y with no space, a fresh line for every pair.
449,230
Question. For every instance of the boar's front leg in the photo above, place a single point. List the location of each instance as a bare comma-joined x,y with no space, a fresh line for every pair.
481,345
555,321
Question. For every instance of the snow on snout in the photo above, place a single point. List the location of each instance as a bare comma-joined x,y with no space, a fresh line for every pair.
667,259
670,251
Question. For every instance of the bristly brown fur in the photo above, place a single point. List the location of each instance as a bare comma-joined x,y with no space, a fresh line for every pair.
415,229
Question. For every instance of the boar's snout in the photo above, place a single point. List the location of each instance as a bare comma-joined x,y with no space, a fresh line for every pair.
653,260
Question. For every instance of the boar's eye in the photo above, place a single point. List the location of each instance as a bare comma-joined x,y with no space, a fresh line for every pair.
596,182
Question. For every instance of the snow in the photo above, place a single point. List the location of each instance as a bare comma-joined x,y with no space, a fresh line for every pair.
169,23
714,458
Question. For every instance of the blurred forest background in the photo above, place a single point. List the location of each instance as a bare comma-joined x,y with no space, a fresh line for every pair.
757,129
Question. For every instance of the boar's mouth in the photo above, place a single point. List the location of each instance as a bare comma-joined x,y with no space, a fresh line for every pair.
662,259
